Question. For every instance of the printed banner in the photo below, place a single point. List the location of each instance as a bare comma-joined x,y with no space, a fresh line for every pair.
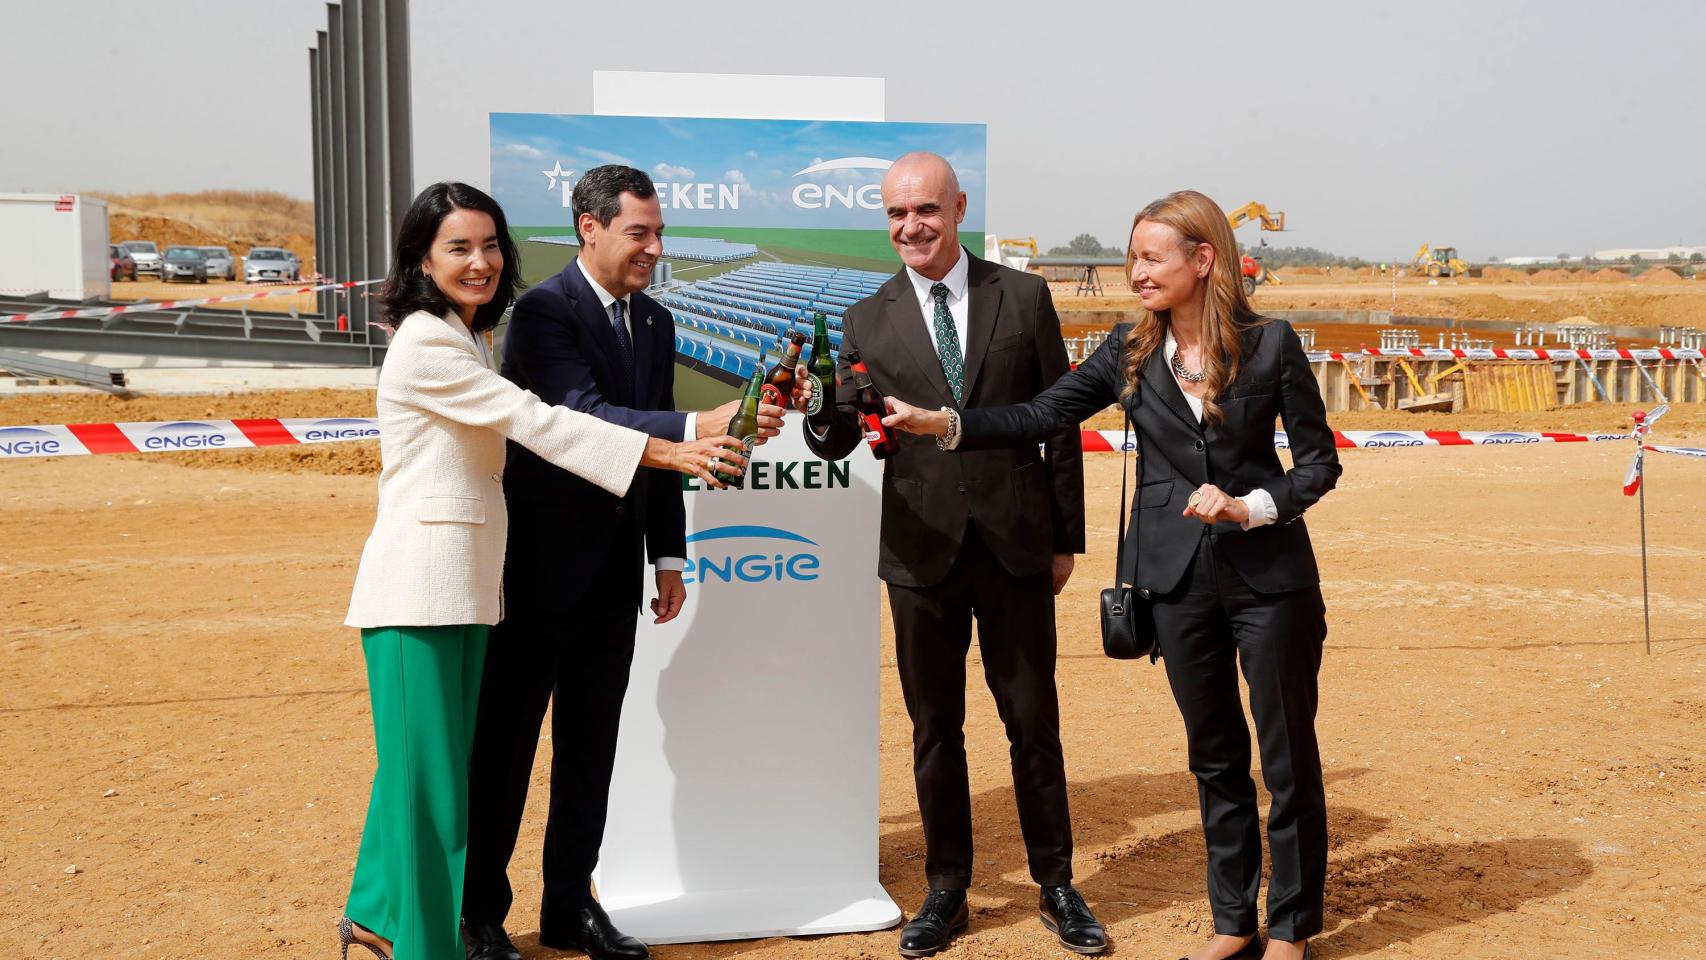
767,222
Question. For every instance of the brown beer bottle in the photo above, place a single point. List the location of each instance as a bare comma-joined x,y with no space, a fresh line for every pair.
868,401
779,385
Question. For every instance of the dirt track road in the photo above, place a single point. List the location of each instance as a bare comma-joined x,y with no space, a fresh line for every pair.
183,719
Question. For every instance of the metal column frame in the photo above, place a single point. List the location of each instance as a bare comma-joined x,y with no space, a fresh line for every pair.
316,120
400,151
337,264
364,156
375,216
355,161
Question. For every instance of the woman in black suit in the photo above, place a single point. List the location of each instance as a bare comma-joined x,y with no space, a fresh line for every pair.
1217,545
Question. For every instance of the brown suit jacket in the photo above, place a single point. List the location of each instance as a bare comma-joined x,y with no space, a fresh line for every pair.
1027,504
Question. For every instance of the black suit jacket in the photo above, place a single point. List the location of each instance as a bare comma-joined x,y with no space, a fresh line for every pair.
560,345
1179,455
1027,506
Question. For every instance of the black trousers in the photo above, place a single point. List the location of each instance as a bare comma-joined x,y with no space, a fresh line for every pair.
1015,630
1211,621
577,659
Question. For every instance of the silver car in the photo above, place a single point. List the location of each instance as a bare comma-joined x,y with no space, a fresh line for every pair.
146,255
184,263
270,263
220,263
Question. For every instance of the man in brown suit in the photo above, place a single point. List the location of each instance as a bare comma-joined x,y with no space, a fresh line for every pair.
988,534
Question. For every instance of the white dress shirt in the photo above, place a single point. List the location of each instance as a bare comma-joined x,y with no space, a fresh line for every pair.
689,430
1260,502
958,306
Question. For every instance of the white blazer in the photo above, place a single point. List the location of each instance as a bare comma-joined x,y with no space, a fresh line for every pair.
435,556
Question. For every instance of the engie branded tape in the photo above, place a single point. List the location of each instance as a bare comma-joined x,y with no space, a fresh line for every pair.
1109,440
1444,353
89,312
171,436
78,439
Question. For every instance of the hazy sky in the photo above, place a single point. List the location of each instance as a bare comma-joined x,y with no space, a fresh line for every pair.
1505,128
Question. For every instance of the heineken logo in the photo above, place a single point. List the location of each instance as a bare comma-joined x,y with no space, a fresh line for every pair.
784,475
815,405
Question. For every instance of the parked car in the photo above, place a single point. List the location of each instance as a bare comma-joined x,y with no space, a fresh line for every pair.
220,263
184,263
270,263
146,255
124,265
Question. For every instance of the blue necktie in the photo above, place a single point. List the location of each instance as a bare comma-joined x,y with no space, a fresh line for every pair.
622,339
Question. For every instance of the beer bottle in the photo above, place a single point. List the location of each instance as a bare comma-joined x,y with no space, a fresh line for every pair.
868,401
743,426
821,372
779,385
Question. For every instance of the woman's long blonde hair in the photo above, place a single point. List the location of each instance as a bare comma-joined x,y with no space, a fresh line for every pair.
1226,310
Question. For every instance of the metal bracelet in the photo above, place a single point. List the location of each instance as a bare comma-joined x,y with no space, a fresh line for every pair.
952,437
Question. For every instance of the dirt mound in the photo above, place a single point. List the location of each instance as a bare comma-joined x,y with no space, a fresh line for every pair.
1305,271
1660,275
230,218
1550,276
1504,275
1608,275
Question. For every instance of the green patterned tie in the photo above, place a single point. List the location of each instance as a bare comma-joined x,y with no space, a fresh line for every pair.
948,342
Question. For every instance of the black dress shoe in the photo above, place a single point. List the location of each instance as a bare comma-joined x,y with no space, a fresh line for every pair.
942,915
591,932
1068,917
488,941
1254,950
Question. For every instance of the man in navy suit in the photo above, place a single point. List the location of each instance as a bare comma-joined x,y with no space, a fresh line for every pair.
588,338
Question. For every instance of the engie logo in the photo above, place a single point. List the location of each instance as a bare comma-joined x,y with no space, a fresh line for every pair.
340,428
184,435
27,442
1509,438
822,196
1393,439
771,565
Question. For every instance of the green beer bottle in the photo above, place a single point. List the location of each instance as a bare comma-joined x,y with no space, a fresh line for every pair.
743,426
821,372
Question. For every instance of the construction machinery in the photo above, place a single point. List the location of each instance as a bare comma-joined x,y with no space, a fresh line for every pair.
1439,262
1251,267
1017,252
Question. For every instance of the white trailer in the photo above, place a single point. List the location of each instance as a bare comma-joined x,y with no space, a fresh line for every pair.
56,243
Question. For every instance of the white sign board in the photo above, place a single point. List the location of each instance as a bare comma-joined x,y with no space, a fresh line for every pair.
744,802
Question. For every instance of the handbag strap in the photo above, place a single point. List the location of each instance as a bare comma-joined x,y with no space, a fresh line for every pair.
1125,498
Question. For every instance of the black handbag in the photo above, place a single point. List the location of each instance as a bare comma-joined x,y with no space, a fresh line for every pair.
1128,627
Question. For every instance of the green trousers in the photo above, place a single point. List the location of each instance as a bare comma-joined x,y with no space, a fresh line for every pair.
425,685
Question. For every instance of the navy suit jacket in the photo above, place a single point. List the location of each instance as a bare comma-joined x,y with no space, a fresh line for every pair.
560,345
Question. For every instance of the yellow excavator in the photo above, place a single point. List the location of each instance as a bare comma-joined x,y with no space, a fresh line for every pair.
1439,262
1252,269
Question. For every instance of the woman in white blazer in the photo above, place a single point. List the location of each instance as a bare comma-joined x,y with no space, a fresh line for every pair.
428,587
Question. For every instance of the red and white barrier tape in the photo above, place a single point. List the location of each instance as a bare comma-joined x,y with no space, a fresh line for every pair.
1109,440
178,304
1440,353
1685,451
76,439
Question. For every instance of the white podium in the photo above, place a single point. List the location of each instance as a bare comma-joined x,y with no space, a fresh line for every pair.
744,801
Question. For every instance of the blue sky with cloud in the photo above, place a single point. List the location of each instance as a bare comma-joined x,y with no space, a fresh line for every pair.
750,171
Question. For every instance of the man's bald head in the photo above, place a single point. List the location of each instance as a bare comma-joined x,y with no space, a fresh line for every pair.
924,203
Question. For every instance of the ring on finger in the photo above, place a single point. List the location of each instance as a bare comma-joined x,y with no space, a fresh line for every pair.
1196,498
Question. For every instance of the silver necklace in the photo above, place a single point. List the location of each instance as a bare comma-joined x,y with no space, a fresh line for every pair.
1183,374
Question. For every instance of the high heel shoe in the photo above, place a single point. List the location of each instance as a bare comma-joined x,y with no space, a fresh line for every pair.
346,939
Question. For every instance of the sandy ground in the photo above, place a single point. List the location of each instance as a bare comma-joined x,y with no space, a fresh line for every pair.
186,747
1628,302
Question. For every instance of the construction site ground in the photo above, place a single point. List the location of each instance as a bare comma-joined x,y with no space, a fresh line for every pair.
187,747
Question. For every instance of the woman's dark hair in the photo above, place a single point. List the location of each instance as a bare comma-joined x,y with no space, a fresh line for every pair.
408,288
